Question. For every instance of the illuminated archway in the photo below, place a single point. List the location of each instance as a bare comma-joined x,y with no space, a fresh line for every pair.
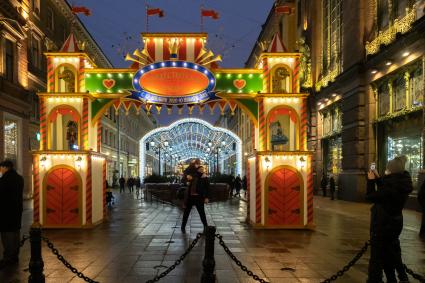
192,138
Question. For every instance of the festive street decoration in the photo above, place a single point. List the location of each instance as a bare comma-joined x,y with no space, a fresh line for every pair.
172,70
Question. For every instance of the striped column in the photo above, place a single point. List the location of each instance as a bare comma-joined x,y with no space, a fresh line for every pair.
296,76
50,75
266,76
99,134
303,125
310,191
43,124
104,188
36,176
81,78
248,182
262,125
258,183
89,191
85,128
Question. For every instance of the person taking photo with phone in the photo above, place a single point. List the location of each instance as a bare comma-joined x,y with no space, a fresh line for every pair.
388,195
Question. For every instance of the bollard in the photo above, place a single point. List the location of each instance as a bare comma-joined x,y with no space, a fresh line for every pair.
36,264
208,274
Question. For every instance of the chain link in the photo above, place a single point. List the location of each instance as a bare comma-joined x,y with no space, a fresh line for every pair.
177,262
418,277
237,261
24,239
349,265
55,251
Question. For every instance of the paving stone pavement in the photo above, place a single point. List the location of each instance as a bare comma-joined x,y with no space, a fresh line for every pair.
142,237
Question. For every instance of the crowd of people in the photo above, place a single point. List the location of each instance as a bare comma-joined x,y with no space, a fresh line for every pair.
237,184
131,183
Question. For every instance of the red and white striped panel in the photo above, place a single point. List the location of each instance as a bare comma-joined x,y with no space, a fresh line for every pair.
159,48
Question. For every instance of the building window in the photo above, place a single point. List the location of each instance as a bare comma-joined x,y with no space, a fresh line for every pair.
399,93
400,7
383,15
333,155
416,85
332,36
383,99
9,60
50,19
411,147
35,5
35,55
11,140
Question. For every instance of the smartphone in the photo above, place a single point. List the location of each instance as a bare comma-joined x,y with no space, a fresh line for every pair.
373,166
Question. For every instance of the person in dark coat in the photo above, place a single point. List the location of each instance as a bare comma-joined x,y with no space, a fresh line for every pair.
138,185
130,184
238,185
11,207
421,199
245,184
232,185
197,193
388,195
324,183
122,184
332,187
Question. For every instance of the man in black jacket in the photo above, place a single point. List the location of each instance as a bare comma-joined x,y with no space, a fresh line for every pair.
197,193
11,207
389,195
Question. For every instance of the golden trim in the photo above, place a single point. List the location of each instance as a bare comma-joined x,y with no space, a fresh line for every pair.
73,70
282,95
237,71
49,134
80,197
272,75
112,70
166,34
102,111
266,196
282,153
298,126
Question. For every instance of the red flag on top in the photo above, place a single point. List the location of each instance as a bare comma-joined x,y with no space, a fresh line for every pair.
80,10
155,11
210,13
283,9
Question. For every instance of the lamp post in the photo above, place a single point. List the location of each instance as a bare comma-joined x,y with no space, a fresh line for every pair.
158,151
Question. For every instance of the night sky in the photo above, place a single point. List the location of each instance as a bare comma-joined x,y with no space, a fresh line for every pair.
116,26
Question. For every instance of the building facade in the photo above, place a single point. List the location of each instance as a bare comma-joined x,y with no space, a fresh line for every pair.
125,128
363,65
29,28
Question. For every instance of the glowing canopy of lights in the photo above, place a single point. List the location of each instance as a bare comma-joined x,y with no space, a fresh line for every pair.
190,138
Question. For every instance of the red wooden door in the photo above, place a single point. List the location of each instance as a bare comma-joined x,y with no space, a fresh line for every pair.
62,195
284,198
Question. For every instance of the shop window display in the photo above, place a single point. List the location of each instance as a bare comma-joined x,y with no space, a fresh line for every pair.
416,88
384,99
334,156
399,93
11,140
411,147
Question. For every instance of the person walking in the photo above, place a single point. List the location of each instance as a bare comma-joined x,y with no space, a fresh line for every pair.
421,199
388,195
122,184
138,185
130,184
238,185
245,185
324,183
197,193
232,185
332,187
11,207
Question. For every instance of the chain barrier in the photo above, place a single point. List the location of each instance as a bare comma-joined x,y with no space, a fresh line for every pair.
177,262
55,251
237,261
418,277
24,239
349,265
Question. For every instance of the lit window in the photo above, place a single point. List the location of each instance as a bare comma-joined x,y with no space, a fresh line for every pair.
11,140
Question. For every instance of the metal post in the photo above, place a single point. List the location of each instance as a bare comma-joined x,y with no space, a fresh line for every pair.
208,274
118,147
36,264
159,161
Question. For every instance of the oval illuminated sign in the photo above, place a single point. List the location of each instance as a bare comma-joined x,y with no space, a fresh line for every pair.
174,82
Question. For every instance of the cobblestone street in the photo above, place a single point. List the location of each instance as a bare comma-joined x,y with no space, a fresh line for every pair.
142,238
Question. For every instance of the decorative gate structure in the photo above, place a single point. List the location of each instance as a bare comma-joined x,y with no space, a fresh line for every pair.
173,70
